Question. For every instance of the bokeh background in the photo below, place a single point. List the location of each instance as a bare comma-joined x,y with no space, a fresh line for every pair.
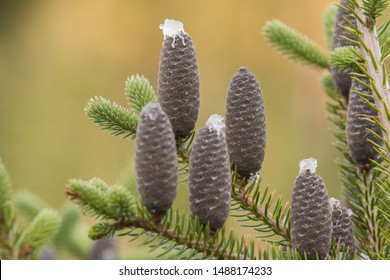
56,55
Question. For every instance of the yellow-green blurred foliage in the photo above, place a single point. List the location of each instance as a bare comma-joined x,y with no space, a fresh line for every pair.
55,55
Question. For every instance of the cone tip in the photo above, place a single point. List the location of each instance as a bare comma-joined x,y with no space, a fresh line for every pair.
309,164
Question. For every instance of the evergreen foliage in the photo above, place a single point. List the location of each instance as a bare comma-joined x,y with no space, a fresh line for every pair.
40,231
112,117
17,241
139,92
180,235
294,45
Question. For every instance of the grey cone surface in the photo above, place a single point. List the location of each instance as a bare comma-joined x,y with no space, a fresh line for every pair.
342,80
178,83
103,249
343,229
358,135
155,160
311,217
245,123
209,179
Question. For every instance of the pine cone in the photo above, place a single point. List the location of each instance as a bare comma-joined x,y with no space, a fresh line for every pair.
245,123
311,215
155,160
178,78
361,149
209,175
342,227
342,80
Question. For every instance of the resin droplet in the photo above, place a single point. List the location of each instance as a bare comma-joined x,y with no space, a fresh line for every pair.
152,110
216,123
308,164
172,28
334,202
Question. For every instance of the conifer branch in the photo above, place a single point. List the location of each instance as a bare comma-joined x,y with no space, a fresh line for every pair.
112,117
39,232
360,191
345,58
139,92
271,218
16,242
294,45
373,9
177,231
371,52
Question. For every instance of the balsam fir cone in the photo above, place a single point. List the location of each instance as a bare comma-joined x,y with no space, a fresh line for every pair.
342,227
178,78
311,215
358,134
245,123
209,175
342,80
155,160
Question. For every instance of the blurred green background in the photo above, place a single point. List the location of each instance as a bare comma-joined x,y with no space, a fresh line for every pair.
56,55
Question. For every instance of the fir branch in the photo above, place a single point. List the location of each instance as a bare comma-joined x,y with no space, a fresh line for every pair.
112,117
329,23
373,9
101,230
371,52
271,218
360,191
345,58
177,231
40,231
98,199
139,92
294,45
184,237
362,196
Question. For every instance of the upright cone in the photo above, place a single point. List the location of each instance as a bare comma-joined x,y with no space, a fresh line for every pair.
245,123
342,80
178,78
342,227
311,215
209,175
358,127
155,161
